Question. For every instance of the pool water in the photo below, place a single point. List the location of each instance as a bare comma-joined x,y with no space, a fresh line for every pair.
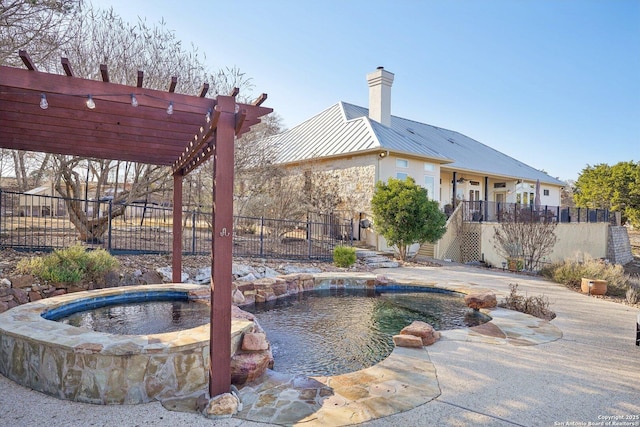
142,318
331,332
320,332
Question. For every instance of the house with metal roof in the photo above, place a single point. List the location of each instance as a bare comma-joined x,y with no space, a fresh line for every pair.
365,145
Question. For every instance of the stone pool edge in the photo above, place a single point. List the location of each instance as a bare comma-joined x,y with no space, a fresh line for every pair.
93,367
404,380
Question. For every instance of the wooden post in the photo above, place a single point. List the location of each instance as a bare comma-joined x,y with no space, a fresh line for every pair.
222,247
176,259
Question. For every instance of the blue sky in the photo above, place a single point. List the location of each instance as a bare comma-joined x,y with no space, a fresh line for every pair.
555,84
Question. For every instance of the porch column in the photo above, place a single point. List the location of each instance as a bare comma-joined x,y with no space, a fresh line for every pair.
176,257
455,188
486,198
222,248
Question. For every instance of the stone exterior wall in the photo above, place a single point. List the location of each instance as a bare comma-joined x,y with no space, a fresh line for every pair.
354,177
619,246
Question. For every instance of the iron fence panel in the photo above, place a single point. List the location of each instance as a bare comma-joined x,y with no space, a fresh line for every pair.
39,222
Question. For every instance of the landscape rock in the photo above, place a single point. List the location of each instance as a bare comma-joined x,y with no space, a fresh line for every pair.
423,330
6,283
23,281
203,275
480,300
222,406
3,306
255,341
21,296
238,297
248,278
407,341
247,367
151,277
167,273
239,270
292,269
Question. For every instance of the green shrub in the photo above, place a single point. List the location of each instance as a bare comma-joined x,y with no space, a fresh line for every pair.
344,256
70,265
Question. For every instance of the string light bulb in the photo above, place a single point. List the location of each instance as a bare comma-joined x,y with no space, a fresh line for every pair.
170,108
43,102
90,104
134,100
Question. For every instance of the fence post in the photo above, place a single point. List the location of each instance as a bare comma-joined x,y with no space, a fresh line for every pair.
351,232
261,236
309,245
193,232
110,229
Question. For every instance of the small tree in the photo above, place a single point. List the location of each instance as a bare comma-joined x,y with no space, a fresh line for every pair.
528,237
404,215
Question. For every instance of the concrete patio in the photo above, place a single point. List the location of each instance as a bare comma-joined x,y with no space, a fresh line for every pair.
589,375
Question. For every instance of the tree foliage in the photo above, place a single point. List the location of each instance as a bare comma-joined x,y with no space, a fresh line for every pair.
41,27
404,215
614,187
89,37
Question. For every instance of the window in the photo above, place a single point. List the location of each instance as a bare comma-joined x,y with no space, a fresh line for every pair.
429,184
545,192
500,185
429,167
401,163
401,175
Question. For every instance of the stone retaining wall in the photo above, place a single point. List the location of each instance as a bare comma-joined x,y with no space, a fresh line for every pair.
269,289
619,246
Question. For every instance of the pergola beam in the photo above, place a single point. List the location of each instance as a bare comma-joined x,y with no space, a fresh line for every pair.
258,102
26,60
204,90
66,66
172,85
104,72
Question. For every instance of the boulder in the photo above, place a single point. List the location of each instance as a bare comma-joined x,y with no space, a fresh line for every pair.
253,341
238,297
167,275
22,281
20,295
34,296
222,406
151,278
203,275
407,341
5,283
480,300
3,306
247,367
425,331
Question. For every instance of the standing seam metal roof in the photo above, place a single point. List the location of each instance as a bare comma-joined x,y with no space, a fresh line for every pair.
344,129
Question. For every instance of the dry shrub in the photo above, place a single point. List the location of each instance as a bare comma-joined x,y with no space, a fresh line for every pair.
571,272
633,292
537,306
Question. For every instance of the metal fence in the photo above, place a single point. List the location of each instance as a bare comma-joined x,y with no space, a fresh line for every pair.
480,210
39,222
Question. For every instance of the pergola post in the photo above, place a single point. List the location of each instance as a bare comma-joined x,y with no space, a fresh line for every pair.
222,248
176,258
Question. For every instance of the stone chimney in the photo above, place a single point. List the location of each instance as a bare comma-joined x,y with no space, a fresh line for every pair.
380,82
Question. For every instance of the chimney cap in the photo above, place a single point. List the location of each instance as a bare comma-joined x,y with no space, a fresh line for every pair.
380,68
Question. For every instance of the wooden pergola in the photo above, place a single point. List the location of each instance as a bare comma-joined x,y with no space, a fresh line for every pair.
65,114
